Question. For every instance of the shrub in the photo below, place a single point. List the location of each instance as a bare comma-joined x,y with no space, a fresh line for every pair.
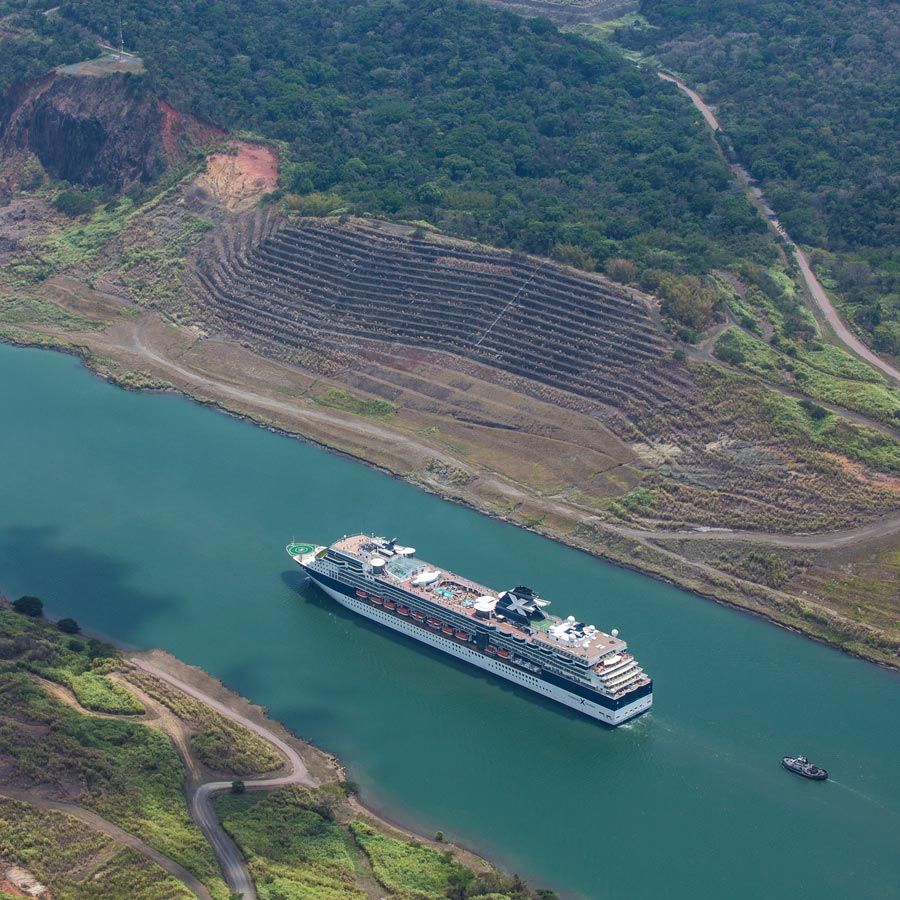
29,606
238,787
621,270
68,626
73,203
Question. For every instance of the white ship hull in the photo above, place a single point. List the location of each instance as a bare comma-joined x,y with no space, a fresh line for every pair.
552,692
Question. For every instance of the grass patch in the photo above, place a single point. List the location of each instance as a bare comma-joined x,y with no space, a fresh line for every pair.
295,848
126,772
337,399
218,742
68,857
97,692
407,869
34,311
823,373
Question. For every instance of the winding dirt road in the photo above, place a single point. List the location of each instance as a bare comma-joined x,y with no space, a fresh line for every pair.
814,286
120,836
234,867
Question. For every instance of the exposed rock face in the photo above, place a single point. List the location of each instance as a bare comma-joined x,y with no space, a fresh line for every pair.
88,130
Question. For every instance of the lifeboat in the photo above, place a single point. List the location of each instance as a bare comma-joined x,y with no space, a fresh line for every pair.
503,652
362,594
402,611
462,635
376,600
418,616
490,649
389,604
433,623
447,629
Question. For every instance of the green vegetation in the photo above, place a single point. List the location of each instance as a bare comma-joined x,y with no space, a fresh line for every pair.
308,845
126,772
29,606
807,94
408,869
96,692
459,115
338,399
21,310
77,863
294,846
219,743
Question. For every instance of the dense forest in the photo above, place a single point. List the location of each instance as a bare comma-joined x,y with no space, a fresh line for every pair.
808,94
483,123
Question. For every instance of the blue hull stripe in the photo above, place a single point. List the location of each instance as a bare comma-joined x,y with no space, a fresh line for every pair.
556,680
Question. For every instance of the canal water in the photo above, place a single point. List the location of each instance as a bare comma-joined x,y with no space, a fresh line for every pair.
160,523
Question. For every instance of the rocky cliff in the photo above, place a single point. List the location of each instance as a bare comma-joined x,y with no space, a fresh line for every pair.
87,130
100,129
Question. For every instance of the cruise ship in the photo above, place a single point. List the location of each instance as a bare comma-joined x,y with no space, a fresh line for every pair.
509,633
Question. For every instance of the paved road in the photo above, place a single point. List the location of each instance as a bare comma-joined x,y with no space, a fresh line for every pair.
117,834
234,868
817,292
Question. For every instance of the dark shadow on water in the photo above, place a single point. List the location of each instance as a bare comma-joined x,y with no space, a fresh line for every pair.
77,582
300,583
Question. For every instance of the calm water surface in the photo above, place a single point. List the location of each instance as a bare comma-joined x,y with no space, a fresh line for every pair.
161,523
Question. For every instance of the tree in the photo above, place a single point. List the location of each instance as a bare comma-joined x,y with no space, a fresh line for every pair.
29,606
238,787
68,626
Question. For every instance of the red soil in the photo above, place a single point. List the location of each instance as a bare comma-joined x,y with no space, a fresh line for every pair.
177,129
238,178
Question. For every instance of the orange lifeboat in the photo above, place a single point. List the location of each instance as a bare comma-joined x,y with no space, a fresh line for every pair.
433,623
447,629
418,616
503,652
462,635
490,649
402,611
376,600
389,604
362,594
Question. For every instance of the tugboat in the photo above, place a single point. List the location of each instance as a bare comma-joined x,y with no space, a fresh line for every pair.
800,765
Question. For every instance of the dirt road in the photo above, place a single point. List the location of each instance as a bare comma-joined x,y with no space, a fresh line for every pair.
831,540
814,286
108,828
234,868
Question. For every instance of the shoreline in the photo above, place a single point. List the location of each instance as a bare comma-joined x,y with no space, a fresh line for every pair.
85,356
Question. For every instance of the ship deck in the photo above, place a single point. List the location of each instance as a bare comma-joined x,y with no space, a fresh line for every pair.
458,593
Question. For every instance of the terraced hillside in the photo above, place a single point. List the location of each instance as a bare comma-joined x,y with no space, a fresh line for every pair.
347,287
413,321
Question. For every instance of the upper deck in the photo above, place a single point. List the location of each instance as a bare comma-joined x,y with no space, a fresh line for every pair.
459,594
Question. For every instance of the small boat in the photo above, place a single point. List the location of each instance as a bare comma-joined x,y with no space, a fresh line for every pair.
362,594
462,635
503,652
433,623
389,604
447,629
402,611
418,616
800,765
376,600
490,649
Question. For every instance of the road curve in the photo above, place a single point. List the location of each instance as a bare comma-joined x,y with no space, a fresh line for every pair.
117,834
814,286
234,867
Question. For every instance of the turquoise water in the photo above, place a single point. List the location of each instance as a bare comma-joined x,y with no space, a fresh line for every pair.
158,522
